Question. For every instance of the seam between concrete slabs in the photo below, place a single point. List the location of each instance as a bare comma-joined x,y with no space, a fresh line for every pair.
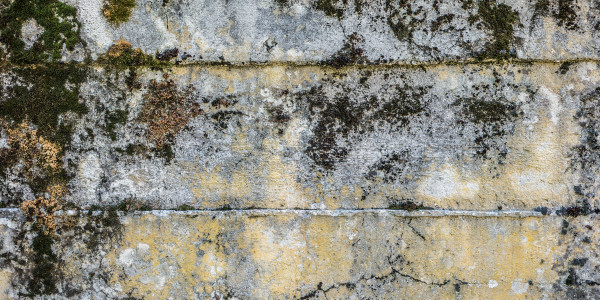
323,64
4,212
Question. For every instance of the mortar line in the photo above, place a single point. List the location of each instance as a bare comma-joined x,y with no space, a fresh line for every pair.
322,64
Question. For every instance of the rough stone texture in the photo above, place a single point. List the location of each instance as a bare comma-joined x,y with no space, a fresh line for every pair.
324,149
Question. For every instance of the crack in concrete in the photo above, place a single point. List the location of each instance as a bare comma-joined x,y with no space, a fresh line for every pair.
395,272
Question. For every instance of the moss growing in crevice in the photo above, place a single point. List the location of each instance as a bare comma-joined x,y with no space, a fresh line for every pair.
41,271
118,11
500,20
564,67
122,54
185,207
60,29
407,205
103,226
350,53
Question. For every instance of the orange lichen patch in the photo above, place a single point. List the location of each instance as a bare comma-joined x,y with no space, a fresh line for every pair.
43,208
36,156
119,48
167,110
122,53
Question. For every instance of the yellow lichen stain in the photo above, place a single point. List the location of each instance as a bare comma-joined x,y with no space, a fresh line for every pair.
495,256
313,251
282,188
445,184
178,256
287,255
213,189
244,79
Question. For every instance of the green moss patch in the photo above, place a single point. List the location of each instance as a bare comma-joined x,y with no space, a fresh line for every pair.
61,29
114,118
44,265
483,111
346,114
331,8
397,10
586,155
118,11
494,119
349,54
408,205
566,14
500,19
41,96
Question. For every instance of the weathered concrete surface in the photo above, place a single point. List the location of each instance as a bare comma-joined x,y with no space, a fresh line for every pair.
515,136
334,149
314,31
374,254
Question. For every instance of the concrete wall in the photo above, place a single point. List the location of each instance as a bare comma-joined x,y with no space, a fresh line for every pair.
299,149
